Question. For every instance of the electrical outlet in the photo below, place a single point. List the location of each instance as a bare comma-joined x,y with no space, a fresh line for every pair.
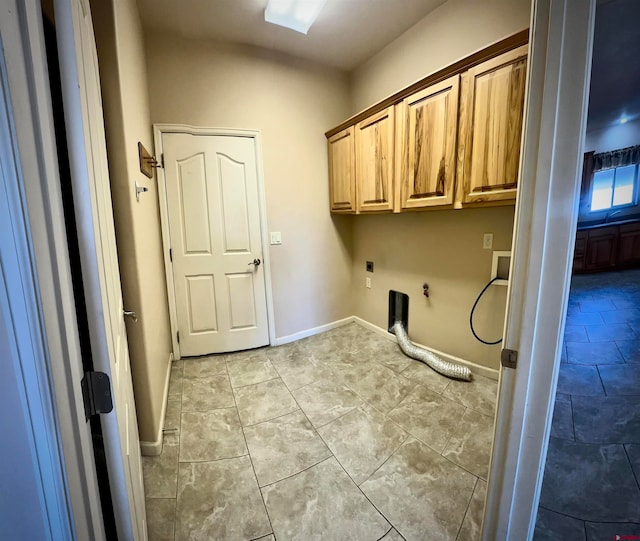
487,241
276,237
367,282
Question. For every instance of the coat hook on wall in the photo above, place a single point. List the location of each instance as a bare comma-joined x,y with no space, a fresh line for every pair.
147,162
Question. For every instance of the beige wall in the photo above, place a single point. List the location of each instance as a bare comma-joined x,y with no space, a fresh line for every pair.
450,32
126,108
292,103
442,248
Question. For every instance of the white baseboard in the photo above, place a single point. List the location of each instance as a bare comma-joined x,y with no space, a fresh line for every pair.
316,330
475,368
154,448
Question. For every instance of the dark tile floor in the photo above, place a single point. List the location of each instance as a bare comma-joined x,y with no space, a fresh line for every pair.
335,437
591,486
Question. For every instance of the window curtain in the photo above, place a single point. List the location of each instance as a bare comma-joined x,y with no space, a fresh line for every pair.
616,158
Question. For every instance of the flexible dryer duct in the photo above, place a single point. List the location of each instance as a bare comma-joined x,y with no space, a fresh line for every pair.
441,366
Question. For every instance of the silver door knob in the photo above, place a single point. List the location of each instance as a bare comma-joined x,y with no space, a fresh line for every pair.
255,262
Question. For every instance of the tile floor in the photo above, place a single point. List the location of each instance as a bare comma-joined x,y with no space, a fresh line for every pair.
335,437
591,487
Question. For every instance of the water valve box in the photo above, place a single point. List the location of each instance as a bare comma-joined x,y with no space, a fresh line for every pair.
500,268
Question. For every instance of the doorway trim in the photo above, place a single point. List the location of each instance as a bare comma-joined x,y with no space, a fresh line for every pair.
158,131
543,242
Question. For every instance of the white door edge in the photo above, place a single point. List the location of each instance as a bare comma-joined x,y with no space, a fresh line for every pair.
158,131
544,236
50,268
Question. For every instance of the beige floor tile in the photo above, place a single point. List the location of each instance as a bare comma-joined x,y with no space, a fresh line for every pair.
264,401
205,366
250,370
172,416
175,381
378,385
322,503
392,535
160,472
470,443
479,394
302,371
283,447
206,393
211,435
423,495
472,525
428,416
161,519
362,440
220,500
324,401
287,352
427,376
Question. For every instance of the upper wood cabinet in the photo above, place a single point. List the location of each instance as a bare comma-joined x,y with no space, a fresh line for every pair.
427,137
342,172
374,138
492,105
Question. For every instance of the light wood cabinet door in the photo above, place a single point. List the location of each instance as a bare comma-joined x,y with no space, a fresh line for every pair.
374,162
492,107
427,137
342,178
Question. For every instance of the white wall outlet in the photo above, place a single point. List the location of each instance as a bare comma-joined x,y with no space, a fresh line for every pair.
276,237
367,282
487,241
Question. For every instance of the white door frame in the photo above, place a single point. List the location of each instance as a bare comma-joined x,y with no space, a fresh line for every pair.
158,131
561,42
45,263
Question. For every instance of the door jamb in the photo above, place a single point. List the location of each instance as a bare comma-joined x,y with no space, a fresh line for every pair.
158,131
544,237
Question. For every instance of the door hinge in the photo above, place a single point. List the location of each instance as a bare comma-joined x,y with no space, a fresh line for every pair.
509,358
178,336
96,394
162,160
171,255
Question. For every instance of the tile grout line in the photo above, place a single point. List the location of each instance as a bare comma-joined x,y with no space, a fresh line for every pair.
466,511
633,471
244,436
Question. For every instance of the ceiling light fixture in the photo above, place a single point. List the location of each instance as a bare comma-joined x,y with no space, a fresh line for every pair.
297,15
624,119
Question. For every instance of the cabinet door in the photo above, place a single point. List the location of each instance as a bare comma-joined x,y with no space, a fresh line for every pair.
629,244
427,135
493,106
374,162
342,179
601,248
580,251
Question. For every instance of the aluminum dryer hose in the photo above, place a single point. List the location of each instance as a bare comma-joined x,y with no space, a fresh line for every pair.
441,366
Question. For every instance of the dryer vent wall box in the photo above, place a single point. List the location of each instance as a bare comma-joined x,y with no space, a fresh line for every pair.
500,268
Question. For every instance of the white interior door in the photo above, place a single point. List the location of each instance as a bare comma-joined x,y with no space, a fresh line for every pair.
100,271
216,242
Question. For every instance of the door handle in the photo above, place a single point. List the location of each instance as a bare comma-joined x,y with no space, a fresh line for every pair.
132,315
255,262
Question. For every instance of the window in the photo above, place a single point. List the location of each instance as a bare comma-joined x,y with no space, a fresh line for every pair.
614,187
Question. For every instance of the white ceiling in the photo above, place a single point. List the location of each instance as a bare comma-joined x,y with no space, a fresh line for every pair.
346,33
615,72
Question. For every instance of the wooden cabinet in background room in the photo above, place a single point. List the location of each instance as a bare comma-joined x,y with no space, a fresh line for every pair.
601,248
342,172
374,139
492,106
628,244
427,136
580,251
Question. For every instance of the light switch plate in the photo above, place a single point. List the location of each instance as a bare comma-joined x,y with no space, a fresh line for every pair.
276,237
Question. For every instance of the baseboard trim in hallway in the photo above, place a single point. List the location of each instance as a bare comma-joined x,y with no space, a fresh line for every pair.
154,448
311,332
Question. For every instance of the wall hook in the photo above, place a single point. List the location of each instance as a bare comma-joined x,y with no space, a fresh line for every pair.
425,289
139,190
